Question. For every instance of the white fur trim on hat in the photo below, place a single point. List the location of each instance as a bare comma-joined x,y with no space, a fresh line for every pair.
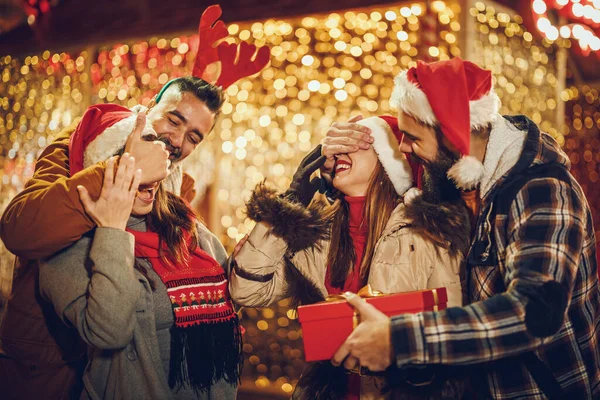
392,159
484,110
466,173
413,101
109,142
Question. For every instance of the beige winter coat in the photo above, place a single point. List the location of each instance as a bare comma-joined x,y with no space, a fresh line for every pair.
403,261
288,245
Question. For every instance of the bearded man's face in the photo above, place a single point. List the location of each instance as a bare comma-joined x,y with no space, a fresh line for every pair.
437,187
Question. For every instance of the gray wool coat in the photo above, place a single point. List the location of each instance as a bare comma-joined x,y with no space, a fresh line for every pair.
111,305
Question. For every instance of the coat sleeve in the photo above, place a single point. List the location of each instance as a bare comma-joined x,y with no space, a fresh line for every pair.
213,246
47,215
545,231
258,276
93,287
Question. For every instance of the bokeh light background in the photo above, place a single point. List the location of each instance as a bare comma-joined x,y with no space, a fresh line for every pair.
324,68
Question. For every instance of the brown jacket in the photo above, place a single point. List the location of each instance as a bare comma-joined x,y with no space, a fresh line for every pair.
39,356
286,256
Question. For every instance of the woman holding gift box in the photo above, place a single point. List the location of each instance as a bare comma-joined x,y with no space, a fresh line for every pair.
308,249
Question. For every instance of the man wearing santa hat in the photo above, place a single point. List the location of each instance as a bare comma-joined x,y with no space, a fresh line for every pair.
39,356
531,328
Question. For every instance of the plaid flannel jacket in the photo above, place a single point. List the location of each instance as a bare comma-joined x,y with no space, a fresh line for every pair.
533,286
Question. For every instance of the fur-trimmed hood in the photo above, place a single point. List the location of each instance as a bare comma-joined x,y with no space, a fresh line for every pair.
303,227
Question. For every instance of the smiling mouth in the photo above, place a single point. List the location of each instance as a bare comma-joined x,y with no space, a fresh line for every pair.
342,166
147,193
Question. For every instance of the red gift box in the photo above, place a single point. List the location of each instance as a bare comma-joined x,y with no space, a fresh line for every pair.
326,325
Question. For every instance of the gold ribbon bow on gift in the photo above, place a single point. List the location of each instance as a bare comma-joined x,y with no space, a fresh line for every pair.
365,292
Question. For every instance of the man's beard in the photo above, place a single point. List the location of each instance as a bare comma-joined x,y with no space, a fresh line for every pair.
437,187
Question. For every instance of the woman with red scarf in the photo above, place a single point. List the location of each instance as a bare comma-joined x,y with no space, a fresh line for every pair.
127,287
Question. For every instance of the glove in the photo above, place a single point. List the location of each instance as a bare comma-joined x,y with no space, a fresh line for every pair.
302,189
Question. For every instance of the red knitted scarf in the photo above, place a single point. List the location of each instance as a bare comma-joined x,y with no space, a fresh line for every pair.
206,340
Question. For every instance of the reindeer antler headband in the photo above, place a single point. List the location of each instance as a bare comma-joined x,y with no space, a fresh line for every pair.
237,60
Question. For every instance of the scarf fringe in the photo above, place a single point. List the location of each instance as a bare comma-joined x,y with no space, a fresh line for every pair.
205,353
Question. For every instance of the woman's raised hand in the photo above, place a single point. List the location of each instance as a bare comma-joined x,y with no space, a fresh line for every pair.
113,207
302,188
344,138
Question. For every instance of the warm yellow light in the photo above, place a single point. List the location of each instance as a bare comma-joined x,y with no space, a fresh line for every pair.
539,6
578,31
314,85
402,35
438,6
434,51
577,10
416,9
338,83
390,15
405,12
298,119
552,33
233,29
308,60
543,24
227,147
565,32
286,387
264,121
340,45
341,95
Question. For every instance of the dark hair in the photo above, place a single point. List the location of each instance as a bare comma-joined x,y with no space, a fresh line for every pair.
170,218
212,95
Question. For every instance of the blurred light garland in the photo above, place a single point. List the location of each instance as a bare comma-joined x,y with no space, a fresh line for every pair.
324,69
524,70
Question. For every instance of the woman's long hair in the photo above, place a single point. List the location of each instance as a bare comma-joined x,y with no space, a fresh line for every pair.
170,218
381,200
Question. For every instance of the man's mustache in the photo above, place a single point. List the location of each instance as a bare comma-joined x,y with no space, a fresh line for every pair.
175,152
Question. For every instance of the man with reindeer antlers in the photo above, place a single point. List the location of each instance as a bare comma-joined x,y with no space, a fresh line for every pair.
40,357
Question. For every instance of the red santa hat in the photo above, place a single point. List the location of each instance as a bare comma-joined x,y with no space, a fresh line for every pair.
458,97
103,132
387,136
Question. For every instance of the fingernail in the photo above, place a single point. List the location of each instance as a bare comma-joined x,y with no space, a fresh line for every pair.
371,139
125,154
365,146
349,295
79,187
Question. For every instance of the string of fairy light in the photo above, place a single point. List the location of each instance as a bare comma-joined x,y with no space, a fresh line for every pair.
581,22
324,69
